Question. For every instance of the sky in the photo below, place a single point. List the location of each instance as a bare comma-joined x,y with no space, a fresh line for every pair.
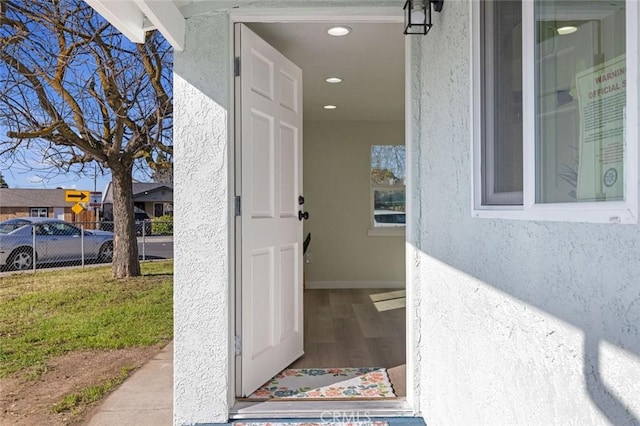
31,171
19,176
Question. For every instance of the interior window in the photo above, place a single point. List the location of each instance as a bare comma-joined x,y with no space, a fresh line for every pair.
387,185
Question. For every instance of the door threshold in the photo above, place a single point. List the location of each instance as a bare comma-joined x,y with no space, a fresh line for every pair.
305,409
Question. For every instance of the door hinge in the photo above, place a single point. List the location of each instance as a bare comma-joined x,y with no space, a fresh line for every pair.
236,67
238,345
237,206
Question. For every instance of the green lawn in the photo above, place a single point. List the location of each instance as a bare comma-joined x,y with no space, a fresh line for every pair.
49,313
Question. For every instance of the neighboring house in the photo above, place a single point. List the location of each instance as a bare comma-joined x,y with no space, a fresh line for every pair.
156,199
522,245
17,202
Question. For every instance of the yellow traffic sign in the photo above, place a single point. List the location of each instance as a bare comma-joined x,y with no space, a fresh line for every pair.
77,208
76,196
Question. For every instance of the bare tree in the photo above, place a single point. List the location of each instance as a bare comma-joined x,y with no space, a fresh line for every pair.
163,174
387,164
75,90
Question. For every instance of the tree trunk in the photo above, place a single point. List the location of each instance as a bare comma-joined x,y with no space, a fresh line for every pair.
125,247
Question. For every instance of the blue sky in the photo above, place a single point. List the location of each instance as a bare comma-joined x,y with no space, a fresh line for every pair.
30,166
20,176
27,170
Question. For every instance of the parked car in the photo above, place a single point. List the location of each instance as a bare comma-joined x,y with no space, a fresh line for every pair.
55,241
143,222
389,218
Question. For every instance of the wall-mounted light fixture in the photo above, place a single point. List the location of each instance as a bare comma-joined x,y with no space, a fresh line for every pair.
417,15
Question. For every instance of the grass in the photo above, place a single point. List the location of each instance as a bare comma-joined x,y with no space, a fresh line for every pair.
50,313
90,394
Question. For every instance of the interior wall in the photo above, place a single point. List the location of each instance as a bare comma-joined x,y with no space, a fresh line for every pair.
522,322
337,191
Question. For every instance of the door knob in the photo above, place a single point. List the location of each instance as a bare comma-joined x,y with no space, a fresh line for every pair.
301,200
303,215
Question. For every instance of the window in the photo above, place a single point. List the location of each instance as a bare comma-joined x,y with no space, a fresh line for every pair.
38,212
502,106
63,229
551,100
158,210
387,186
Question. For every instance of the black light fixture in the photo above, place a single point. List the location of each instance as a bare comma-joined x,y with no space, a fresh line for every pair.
417,15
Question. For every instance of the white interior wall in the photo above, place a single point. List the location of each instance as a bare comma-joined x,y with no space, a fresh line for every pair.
337,190
522,322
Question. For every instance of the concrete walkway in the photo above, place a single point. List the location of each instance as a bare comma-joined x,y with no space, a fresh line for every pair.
145,398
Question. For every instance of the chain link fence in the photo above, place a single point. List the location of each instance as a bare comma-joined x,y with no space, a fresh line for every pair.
60,243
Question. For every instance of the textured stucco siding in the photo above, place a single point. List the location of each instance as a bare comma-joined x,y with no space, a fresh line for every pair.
522,322
514,322
201,224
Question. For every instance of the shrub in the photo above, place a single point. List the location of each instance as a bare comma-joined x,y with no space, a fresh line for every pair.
162,225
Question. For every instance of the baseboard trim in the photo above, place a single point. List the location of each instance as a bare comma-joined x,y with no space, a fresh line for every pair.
316,285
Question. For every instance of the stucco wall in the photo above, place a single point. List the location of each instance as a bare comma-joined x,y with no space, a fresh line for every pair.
522,322
516,322
201,214
337,189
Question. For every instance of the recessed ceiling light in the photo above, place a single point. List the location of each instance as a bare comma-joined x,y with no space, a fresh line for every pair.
334,80
329,107
338,31
567,30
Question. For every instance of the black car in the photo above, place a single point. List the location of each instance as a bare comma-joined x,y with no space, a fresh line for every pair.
143,222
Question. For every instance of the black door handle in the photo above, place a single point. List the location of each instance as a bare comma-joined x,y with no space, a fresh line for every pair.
300,200
303,215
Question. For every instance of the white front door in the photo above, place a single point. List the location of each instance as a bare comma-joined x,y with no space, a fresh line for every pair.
271,231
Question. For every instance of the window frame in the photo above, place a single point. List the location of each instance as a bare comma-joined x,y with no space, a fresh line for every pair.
385,231
39,210
594,212
161,209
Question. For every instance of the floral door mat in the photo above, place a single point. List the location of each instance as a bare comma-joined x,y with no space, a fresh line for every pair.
365,382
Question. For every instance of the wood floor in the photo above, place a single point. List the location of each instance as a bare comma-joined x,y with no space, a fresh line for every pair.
344,328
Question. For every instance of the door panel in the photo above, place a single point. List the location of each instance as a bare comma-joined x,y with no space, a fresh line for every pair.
289,318
288,92
262,301
271,233
261,159
288,171
65,242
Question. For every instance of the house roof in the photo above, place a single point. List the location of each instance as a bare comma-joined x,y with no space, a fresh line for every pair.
20,197
139,190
